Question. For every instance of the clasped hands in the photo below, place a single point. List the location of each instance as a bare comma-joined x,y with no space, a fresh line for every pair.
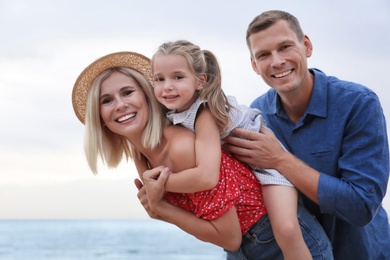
151,192
255,148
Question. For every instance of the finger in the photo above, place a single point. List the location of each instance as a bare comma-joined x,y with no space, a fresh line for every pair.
265,130
232,140
138,184
164,175
244,133
152,174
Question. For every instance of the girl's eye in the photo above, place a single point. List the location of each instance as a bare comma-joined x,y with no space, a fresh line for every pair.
179,77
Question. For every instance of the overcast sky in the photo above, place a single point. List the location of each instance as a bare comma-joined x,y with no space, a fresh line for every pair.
44,45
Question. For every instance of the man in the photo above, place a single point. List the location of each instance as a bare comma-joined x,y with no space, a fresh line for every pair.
334,130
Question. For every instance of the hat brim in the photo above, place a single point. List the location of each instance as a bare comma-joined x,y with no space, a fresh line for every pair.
85,80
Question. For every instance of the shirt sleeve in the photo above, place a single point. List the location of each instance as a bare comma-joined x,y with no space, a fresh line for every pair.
363,166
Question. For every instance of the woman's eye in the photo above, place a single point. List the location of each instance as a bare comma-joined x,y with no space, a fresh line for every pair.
128,92
106,101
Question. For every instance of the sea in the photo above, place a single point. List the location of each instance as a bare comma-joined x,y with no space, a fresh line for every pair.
100,239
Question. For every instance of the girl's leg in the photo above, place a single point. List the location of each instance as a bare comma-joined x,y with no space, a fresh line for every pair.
282,203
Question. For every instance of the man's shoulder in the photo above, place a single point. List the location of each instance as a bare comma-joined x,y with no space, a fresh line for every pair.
264,100
340,89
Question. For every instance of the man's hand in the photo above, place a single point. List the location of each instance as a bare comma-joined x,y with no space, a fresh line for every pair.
259,149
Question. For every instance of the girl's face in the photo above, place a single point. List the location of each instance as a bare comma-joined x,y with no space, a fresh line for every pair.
174,84
123,106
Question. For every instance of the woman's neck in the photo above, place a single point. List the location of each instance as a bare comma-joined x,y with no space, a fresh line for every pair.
156,156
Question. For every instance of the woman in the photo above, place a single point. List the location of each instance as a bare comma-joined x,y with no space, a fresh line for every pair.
115,99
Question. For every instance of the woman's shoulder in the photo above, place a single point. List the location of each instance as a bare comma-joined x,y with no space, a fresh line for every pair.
180,147
179,138
178,132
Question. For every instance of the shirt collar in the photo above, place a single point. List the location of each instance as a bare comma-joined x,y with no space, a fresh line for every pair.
319,97
318,101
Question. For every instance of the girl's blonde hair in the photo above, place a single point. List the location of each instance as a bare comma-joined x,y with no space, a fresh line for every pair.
202,62
110,147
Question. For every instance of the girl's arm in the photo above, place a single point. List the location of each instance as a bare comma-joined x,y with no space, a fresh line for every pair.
205,175
224,231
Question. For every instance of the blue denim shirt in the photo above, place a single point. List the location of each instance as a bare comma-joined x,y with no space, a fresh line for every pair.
342,135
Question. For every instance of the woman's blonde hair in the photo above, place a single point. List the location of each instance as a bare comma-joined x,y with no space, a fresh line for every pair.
110,147
202,62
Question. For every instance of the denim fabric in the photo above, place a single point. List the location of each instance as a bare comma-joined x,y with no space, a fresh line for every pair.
259,242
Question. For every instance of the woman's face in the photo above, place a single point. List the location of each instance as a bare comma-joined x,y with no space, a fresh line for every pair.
123,106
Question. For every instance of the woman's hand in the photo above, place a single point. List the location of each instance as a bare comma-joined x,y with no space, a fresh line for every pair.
224,231
156,196
154,183
143,199
152,192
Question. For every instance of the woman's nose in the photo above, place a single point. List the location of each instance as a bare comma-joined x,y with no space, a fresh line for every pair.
121,103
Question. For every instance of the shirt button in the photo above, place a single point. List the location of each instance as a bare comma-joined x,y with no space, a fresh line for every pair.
372,190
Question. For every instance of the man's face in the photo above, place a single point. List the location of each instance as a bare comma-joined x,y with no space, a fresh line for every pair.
279,57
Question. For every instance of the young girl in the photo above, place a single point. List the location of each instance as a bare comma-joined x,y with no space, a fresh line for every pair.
187,81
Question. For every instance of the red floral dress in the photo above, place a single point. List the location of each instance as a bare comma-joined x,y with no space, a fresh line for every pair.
237,187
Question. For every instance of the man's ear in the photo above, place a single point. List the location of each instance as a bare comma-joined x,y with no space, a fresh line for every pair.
308,46
254,67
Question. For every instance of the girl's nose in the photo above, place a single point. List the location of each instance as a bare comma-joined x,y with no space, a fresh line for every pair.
168,85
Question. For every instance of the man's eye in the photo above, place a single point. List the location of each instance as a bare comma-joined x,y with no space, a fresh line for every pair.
262,55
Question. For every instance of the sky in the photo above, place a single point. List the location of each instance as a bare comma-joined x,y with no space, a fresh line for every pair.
45,44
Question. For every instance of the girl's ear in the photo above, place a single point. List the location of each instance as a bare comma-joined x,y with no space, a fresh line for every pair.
202,79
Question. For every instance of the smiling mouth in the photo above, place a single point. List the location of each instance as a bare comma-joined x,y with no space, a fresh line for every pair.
126,117
170,97
283,74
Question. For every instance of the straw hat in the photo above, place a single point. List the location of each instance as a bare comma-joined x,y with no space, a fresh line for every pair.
85,80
